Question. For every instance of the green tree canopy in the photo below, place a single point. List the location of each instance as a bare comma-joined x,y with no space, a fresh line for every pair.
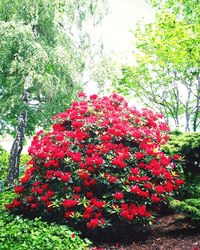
43,50
38,54
166,74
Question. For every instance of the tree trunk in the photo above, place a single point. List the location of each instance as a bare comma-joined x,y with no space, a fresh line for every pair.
196,115
13,170
187,107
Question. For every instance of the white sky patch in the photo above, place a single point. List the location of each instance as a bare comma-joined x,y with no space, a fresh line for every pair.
116,31
118,25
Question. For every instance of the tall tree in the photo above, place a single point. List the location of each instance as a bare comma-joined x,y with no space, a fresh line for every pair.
41,63
166,74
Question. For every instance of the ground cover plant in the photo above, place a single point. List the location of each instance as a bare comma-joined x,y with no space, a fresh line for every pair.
100,165
17,232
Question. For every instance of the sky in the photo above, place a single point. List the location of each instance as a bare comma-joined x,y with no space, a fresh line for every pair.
116,31
121,20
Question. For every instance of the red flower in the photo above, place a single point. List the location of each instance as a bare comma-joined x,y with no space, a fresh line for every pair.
165,161
118,161
82,94
93,97
159,189
83,175
77,124
86,215
168,187
9,206
58,173
89,209
29,199
98,204
25,179
134,189
50,193
118,195
76,157
155,198
112,179
106,137
98,215
93,223
141,211
179,182
156,172
168,176
77,189
19,189
49,174
148,185
176,157
128,214
69,203
66,177
134,171
88,194
139,155
17,203
58,127
34,205
68,214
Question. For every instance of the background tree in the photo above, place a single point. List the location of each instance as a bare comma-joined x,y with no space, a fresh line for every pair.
166,74
41,63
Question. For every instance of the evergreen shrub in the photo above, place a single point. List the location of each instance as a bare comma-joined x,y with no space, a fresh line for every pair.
187,145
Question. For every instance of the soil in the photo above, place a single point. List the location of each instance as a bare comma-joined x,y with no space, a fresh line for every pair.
171,232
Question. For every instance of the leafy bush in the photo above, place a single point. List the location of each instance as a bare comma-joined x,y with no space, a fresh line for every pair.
100,165
24,158
4,162
191,204
19,233
188,146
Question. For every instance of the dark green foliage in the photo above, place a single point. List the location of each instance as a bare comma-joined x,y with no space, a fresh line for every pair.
21,234
190,205
188,146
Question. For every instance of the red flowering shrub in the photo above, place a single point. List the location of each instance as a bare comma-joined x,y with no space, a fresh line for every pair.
101,163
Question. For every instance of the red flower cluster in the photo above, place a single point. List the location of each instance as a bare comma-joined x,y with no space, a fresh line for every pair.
101,158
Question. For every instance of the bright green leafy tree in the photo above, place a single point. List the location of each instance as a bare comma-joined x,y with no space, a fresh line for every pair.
41,63
166,74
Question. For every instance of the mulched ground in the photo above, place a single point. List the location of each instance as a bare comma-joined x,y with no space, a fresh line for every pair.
172,232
